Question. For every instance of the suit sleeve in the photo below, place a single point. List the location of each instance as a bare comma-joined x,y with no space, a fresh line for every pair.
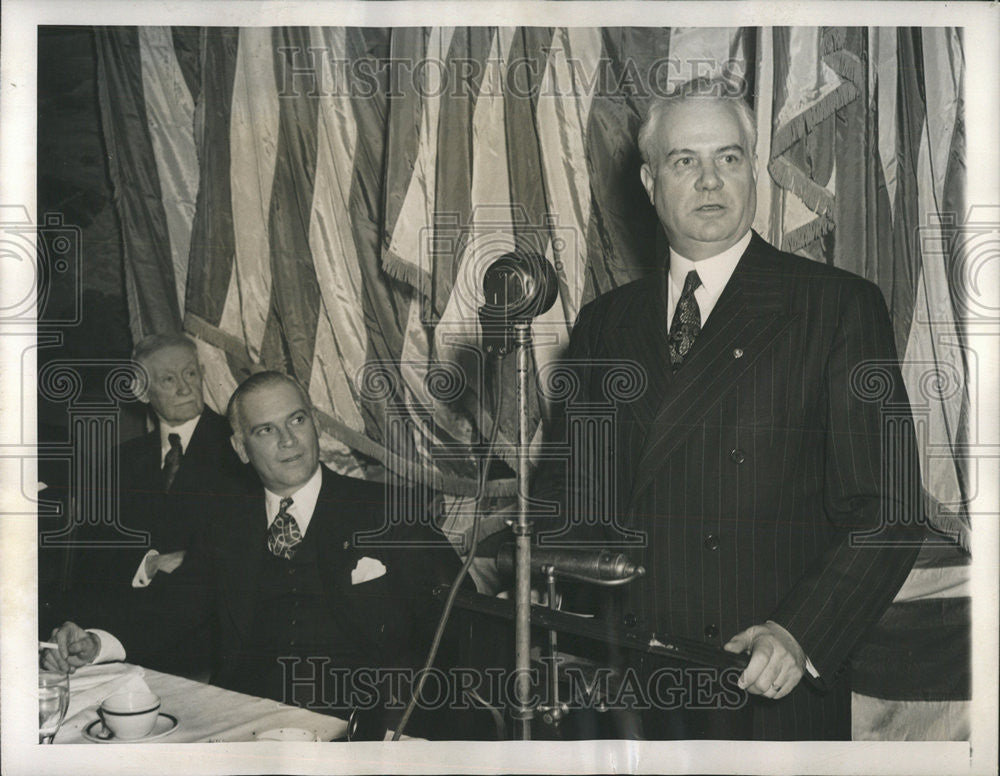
872,492
157,625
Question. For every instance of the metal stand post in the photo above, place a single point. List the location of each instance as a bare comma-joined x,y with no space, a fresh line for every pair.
523,712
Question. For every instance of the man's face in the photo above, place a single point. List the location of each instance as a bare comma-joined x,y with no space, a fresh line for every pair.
278,437
702,185
174,390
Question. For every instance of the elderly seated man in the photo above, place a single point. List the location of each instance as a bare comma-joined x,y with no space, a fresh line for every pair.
172,482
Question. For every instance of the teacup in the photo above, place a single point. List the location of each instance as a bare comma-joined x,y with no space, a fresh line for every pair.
130,715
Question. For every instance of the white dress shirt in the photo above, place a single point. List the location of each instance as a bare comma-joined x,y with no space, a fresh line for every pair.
714,272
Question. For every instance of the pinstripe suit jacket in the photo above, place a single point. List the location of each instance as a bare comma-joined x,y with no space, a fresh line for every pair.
751,468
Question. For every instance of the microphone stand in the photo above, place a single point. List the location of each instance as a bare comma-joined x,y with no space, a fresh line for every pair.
553,713
518,287
522,713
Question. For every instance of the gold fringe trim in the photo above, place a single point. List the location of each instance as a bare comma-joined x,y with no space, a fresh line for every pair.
787,135
407,272
793,179
799,238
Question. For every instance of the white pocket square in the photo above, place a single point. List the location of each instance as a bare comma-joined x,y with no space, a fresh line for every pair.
366,570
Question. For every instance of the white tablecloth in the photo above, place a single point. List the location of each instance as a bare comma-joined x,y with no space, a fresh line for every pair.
205,713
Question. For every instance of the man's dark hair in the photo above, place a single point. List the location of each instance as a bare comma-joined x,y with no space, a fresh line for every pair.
254,383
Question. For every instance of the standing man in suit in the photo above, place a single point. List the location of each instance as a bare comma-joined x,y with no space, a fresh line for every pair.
753,464
300,600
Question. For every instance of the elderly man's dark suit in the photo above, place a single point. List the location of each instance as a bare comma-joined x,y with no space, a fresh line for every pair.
750,468
208,480
209,475
263,608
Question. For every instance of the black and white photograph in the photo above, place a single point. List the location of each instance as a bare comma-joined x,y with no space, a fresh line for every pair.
499,388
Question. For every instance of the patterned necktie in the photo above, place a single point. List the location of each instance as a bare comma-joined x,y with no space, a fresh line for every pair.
687,321
284,536
172,461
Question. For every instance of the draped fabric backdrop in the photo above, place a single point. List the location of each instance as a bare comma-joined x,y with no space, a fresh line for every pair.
323,201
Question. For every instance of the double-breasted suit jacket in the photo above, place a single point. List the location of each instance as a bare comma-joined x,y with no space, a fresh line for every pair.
755,471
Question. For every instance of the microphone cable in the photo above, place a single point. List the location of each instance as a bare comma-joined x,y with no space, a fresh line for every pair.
450,601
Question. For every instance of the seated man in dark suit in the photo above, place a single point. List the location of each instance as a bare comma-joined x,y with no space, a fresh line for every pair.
171,479
301,601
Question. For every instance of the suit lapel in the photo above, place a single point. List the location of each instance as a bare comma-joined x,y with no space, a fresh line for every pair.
332,533
198,441
148,461
746,321
643,327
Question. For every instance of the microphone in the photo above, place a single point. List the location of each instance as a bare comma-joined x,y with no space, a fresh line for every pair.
517,287
600,566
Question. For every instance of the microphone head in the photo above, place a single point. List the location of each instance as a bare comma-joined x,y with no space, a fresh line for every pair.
520,285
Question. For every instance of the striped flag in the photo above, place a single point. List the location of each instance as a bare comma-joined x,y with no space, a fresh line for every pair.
869,177
324,201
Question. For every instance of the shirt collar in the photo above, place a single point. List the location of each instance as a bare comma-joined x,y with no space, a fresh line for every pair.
185,431
714,271
303,501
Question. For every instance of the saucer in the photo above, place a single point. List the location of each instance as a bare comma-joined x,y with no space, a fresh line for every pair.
96,732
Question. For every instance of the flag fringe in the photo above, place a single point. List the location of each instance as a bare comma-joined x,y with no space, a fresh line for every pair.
849,67
799,238
832,39
793,179
405,272
797,128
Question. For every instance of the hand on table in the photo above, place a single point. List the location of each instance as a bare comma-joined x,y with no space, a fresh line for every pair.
77,648
777,662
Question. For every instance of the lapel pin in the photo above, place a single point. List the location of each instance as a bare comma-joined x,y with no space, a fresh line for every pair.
346,545
737,352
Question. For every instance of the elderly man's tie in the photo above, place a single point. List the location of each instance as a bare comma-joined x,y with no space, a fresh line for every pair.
284,535
172,460
687,321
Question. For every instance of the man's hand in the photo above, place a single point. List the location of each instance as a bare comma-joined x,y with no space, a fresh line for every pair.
76,648
777,662
166,563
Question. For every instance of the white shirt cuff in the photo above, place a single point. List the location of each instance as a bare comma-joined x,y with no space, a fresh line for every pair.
141,578
111,649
